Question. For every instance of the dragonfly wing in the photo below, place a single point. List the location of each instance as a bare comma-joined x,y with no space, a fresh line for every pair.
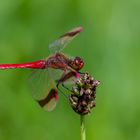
44,89
49,102
69,77
59,44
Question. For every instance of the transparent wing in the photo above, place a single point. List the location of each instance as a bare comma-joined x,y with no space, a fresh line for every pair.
44,89
59,44
69,77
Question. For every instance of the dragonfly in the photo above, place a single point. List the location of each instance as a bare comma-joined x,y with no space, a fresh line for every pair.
45,83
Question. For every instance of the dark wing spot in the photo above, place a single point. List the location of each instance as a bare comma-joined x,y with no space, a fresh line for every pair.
73,32
52,94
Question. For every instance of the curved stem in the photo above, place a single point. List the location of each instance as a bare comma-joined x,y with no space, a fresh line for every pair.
82,125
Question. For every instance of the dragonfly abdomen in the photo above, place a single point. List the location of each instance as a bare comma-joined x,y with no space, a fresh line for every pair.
33,65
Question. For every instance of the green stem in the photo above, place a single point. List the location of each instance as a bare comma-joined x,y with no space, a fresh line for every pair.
82,123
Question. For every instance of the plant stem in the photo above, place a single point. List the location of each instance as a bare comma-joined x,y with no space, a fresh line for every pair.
82,123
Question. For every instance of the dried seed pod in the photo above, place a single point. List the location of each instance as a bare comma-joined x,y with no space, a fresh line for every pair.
83,94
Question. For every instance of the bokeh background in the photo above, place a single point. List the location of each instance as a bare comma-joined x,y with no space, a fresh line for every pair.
110,47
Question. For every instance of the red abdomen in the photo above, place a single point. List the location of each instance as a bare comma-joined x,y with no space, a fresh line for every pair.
34,65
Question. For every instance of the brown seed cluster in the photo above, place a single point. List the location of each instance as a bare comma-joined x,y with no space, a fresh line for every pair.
84,93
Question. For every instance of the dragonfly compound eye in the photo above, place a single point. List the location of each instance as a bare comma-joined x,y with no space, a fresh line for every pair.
78,63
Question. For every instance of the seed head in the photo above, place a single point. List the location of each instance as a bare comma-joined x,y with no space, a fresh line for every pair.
83,95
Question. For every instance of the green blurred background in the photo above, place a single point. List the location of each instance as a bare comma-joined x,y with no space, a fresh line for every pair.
110,47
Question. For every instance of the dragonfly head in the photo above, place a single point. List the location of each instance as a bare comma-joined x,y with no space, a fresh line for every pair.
77,63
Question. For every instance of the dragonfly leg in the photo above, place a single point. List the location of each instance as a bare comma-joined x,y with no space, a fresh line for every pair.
81,72
57,85
66,87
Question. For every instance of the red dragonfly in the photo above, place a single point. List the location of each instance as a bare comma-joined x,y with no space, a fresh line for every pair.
45,87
